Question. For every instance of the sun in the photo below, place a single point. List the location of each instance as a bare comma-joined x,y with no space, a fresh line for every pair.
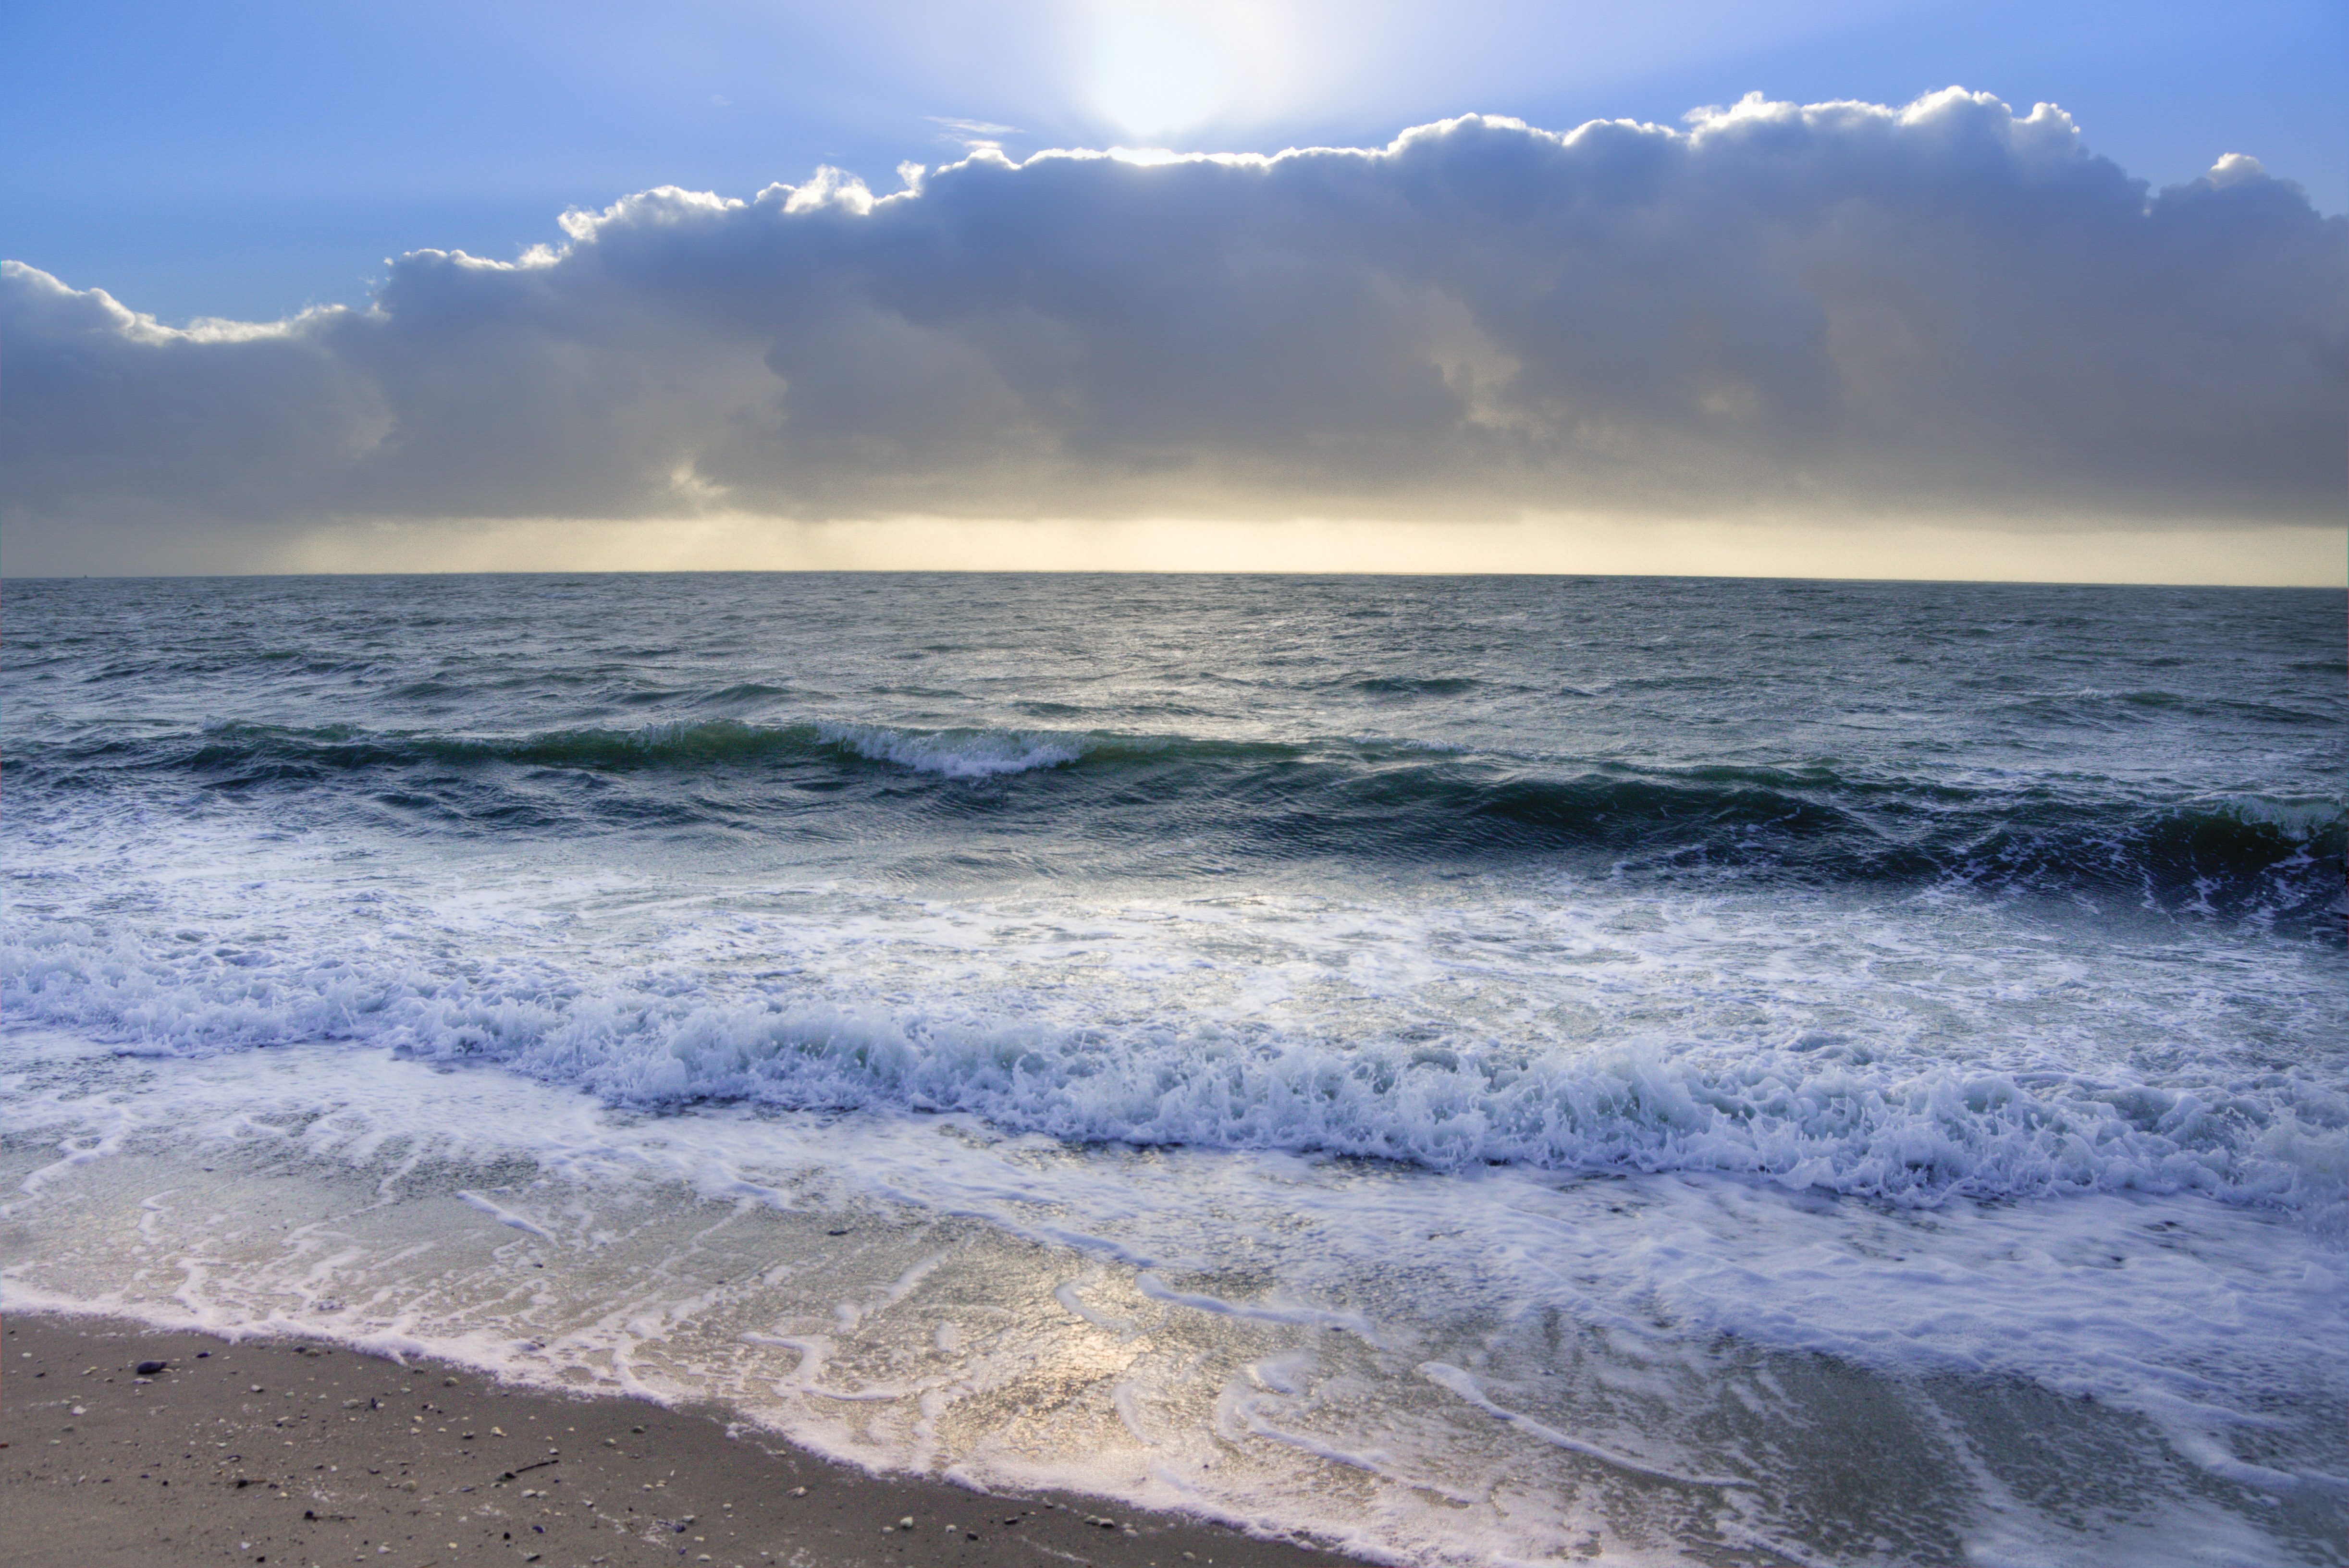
1161,67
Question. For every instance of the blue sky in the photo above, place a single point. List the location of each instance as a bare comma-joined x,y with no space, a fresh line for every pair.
246,159
1838,288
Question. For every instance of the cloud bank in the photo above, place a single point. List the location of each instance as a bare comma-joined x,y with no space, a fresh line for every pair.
1944,310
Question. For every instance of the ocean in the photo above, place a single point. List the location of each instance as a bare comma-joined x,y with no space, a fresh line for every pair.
1479,1070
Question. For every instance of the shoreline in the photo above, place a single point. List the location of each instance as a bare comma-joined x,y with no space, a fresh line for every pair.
283,1450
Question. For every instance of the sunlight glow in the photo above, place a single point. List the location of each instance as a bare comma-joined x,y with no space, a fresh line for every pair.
1159,68
1956,549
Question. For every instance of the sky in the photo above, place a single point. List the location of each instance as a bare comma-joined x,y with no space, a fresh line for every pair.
713,283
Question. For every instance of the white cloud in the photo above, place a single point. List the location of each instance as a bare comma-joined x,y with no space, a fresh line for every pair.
971,135
974,126
2235,168
1832,310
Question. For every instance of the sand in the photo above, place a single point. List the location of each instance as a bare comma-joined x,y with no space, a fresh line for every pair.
296,1452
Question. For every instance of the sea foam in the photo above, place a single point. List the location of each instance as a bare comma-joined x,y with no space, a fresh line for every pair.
1801,1114
956,754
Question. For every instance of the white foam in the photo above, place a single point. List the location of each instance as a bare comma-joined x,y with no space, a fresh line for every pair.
1086,1143
1162,1050
1459,1382
1463,1297
505,1216
957,753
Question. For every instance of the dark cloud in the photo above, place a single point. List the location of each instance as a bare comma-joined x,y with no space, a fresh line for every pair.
1944,309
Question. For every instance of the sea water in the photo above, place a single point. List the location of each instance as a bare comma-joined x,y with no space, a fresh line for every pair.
1480,1070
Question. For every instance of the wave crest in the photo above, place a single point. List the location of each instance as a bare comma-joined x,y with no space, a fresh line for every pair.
957,753
1826,1118
2266,859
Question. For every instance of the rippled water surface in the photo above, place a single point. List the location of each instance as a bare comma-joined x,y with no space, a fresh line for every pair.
1482,1068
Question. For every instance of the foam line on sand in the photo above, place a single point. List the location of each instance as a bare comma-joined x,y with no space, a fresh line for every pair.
286,1452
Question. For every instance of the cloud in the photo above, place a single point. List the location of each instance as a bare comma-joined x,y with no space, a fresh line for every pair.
1944,310
972,135
974,126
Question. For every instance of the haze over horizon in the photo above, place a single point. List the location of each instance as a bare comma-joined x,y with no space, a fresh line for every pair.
1943,334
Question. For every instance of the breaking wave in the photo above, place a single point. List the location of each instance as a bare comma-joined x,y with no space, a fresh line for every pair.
1803,1114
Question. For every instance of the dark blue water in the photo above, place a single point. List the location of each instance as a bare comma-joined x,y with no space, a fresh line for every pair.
2169,749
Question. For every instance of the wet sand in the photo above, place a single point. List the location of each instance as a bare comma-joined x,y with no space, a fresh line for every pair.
296,1452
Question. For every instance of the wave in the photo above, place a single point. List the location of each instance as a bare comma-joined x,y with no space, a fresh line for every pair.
249,754
955,753
2271,860
1804,1115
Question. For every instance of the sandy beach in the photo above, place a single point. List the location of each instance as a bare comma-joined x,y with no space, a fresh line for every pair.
299,1453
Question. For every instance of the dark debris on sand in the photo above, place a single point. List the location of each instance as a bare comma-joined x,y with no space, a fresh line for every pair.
131,1446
